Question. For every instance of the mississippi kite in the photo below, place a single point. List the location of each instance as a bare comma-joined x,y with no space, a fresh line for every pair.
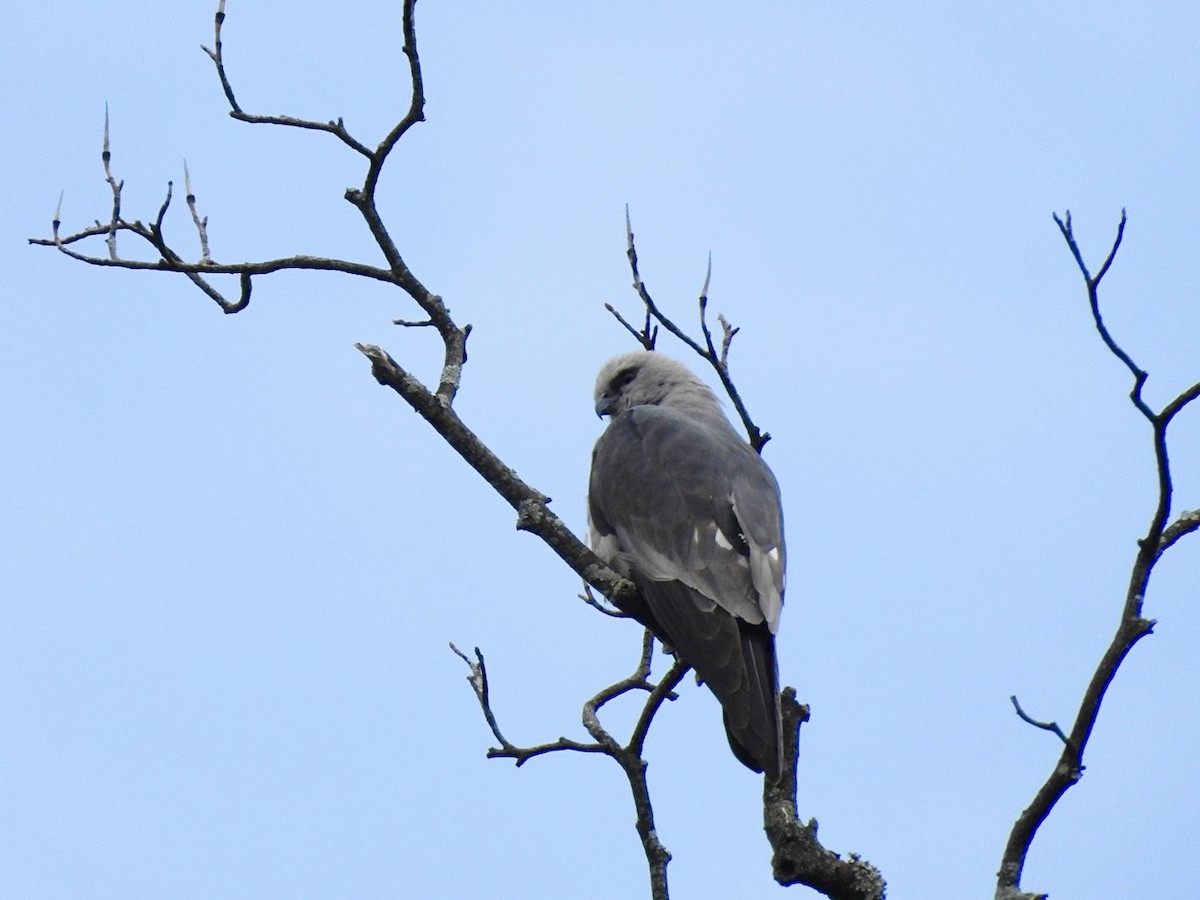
682,505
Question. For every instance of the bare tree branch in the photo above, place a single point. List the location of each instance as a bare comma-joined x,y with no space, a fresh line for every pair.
647,336
1045,726
1132,626
1093,284
590,599
479,683
106,160
533,513
728,332
799,858
217,55
628,757
171,261
1187,522
708,352
201,224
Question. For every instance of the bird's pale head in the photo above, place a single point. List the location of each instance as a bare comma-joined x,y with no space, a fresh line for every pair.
646,378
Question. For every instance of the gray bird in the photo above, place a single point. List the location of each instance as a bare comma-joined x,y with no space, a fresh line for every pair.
683,506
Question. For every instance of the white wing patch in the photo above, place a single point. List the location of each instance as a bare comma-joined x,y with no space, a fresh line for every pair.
608,548
719,586
766,574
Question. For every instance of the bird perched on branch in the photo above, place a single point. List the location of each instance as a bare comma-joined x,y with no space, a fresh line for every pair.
683,506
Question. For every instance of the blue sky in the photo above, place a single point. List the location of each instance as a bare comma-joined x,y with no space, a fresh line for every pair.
231,562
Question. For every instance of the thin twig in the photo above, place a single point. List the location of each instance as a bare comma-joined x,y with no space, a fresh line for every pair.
646,337
337,128
1093,283
416,103
1188,521
727,335
264,267
664,691
106,159
590,599
201,224
171,261
156,230
454,338
1045,726
711,352
628,757
758,439
479,683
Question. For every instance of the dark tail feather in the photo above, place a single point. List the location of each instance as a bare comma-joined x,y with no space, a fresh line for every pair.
734,658
752,716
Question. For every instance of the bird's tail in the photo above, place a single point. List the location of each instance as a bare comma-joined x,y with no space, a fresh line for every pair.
752,714
734,658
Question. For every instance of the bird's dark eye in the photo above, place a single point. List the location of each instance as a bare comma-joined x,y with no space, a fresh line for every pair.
625,378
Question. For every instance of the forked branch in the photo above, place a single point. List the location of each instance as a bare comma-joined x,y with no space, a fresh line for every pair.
718,359
168,259
627,756
1132,626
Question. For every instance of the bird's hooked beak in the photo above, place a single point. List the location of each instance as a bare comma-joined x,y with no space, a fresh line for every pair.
605,404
